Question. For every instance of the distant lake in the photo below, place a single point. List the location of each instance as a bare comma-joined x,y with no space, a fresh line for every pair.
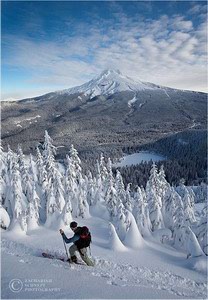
137,158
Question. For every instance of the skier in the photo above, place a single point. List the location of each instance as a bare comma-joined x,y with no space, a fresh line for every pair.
81,240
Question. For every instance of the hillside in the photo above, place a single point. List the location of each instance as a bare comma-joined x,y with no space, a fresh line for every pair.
106,114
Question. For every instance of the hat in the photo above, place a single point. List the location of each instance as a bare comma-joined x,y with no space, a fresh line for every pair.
73,224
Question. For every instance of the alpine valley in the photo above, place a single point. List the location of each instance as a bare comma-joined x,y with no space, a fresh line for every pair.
111,110
112,114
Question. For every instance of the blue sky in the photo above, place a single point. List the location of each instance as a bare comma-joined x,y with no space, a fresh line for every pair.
50,45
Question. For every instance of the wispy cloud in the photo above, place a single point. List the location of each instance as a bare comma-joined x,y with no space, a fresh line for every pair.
168,51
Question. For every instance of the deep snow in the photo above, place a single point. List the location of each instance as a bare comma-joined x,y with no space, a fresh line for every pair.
154,271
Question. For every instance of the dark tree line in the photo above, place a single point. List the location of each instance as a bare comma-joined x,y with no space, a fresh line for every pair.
186,154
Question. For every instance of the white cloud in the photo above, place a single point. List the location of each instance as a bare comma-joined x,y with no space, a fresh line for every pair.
167,51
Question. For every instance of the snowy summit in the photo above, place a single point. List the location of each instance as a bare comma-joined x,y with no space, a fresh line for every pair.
107,83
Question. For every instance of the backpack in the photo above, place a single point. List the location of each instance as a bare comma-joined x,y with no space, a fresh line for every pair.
85,238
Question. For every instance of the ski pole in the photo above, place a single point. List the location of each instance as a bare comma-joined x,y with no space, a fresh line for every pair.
66,250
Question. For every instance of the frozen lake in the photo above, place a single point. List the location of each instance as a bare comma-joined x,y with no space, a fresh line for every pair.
137,158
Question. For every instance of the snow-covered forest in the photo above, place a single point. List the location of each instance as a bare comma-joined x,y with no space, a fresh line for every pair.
40,191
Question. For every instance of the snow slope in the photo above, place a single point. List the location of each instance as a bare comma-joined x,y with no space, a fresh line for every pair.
107,83
154,271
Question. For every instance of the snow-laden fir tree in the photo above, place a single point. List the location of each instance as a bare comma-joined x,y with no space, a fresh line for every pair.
75,163
71,186
120,221
10,158
58,189
41,170
146,209
172,201
66,216
109,178
192,245
120,188
18,201
3,170
133,237
179,228
128,199
4,218
91,189
201,230
111,200
115,243
163,184
49,152
103,168
154,183
42,185
99,194
26,179
3,184
52,213
188,201
32,170
154,205
83,206
141,213
33,210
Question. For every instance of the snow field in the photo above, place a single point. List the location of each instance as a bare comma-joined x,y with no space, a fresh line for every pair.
153,271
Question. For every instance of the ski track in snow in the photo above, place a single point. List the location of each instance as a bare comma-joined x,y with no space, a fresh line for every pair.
122,275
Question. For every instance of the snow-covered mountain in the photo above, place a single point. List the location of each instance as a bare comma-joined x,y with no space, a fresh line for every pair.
109,111
107,83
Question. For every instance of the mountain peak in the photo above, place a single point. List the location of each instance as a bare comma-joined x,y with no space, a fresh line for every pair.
108,72
110,81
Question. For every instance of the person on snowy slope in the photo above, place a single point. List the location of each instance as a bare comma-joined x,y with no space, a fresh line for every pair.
81,240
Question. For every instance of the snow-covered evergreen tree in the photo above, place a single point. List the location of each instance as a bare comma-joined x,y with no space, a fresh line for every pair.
71,186
33,210
111,200
188,196
128,199
119,186
163,184
91,187
49,153
26,179
83,206
133,237
66,215
192,245
201,230
42,185
120,221
3,176
141,213
53,213
75,163
172,201
18,201
32,170
107,177
99,194
114,242
58,189
154,183
154,206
